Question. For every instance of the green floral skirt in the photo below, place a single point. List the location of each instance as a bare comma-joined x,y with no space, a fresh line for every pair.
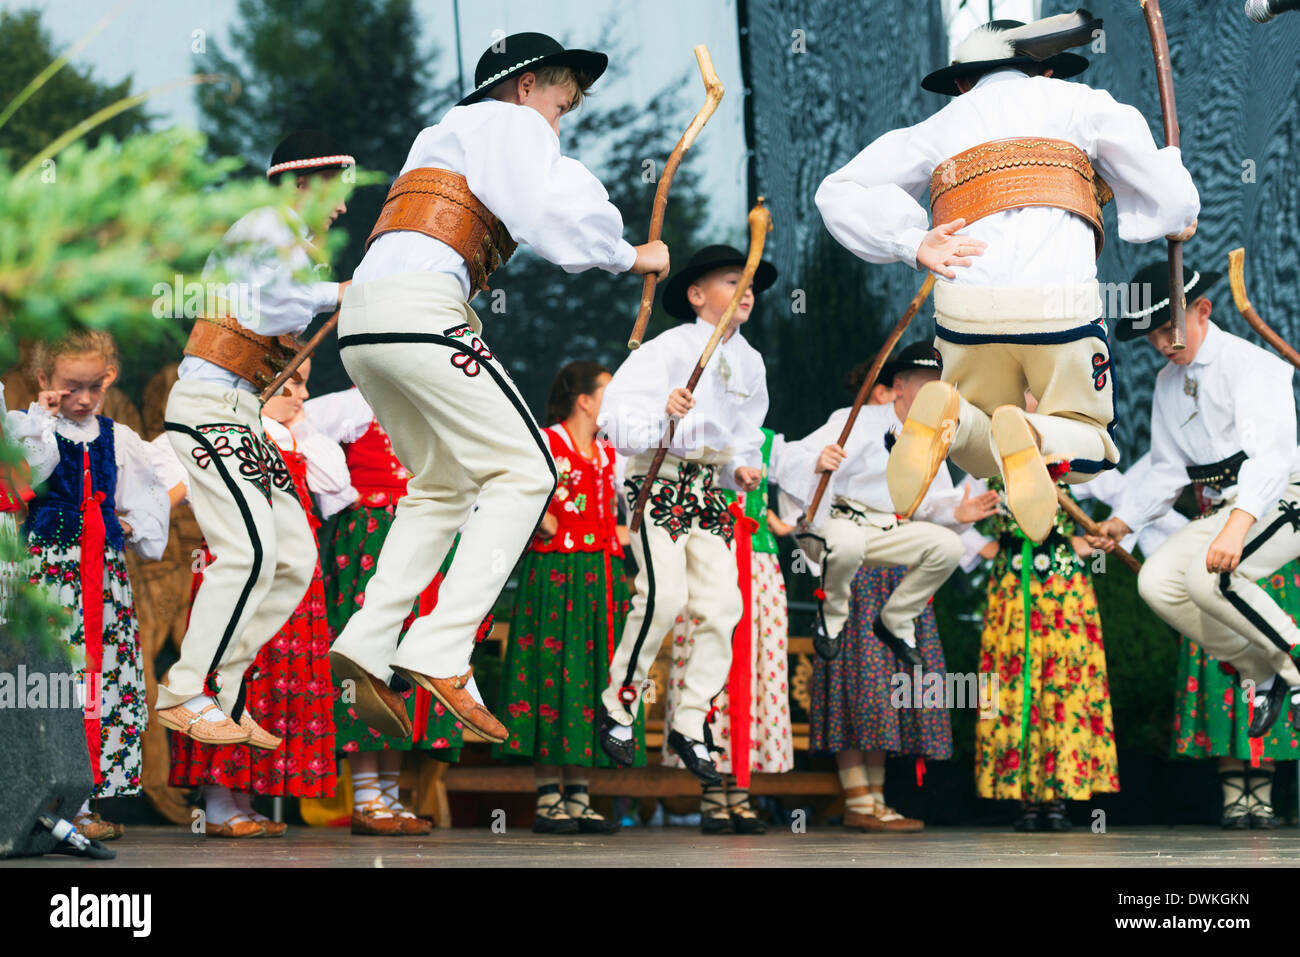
568,612
347,563
1210,714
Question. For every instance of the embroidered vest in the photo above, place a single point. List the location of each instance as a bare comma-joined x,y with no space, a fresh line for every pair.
54,516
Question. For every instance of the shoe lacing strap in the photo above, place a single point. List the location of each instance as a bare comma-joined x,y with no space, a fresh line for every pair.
709,718
202,711
555,809
392,800
588,812
710,806
375,807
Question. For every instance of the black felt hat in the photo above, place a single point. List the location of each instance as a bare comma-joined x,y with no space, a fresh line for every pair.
705,261
1147,306
919,355
307,151
521,52
1013,43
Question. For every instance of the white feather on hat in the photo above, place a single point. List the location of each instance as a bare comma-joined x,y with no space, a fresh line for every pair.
1039,40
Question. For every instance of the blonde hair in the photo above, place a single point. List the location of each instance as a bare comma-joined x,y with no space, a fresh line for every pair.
80,342
554,74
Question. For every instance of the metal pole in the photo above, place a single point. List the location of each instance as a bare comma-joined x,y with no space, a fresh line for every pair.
460,67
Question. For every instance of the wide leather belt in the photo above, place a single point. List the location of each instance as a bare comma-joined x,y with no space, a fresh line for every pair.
1014,173
1217,475
226,343
438,203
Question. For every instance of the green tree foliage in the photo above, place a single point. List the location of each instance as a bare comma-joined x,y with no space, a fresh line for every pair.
67,98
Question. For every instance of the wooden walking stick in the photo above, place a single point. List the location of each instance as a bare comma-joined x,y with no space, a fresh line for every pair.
713,91
760,224
869,383
1165,80
1081,518
1237,280
299,358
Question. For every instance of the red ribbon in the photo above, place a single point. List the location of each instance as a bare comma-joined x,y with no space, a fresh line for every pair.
609,605
739,681
1256,744
92,606
423,699
920,770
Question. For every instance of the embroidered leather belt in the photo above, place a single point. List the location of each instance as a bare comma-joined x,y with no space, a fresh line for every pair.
226,343
1013,173
438,203
1217,475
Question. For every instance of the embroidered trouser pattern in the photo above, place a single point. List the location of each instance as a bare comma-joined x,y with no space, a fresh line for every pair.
252,521
413,347
1228,614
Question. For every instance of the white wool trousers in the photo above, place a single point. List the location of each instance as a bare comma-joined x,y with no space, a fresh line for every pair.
263,550
1228,614
685,563
415,349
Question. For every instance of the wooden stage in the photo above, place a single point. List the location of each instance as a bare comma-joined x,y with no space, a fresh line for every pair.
1158,847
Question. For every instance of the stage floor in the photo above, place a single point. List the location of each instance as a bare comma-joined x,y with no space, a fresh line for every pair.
686,847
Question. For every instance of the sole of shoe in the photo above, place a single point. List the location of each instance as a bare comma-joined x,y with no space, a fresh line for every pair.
415,678
1031,493
922,445
370,707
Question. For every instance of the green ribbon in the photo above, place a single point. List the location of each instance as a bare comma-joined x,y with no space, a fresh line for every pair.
1026,559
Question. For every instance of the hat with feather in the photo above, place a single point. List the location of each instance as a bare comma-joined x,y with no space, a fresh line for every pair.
1013,43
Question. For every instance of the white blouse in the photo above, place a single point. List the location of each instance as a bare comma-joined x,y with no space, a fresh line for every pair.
141,496
873,205
343,416
510,158
724,427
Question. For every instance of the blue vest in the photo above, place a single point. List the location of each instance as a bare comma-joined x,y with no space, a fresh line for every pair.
54,516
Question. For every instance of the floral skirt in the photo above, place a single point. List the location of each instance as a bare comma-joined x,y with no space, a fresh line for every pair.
771,747
1070,753
557,659
851,704
1210,713
289,692
123,710
348,560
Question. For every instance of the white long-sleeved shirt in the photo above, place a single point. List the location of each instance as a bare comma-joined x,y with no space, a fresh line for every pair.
1233,397
1109,487
140,498
264,254
725,426
344,416
872,205
327,468
510,158
861,476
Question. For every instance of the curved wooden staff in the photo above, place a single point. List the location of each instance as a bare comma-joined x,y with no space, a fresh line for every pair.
760,224
869,383
300,357
1165,79
713,91
1237,280
1082,518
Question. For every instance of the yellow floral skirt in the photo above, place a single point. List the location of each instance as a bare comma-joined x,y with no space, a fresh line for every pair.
1070,752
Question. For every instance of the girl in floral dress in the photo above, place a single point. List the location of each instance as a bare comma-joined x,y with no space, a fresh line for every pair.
348,559
569,611
100,495
1057,742
725,808
289,691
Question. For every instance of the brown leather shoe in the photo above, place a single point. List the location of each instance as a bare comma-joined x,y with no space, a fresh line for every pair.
922,445
1031,493
882,819
94,828
182,719
274,828
235,829
364,820
451,692
258,737
378,705
413,824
